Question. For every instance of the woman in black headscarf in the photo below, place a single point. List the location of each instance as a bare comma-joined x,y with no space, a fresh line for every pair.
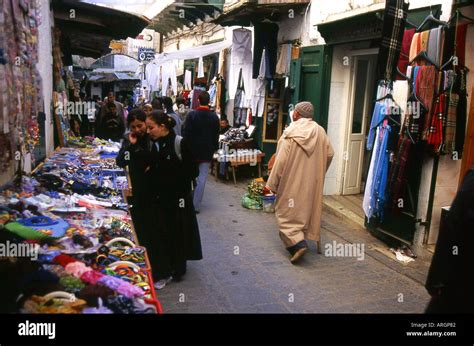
172,225
133,152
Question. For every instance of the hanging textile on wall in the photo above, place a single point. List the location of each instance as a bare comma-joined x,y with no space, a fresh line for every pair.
241,58
400,96
168,73
20,82
284,60
266,37
392,35
200,68
240,108
258,90
187,80
405,51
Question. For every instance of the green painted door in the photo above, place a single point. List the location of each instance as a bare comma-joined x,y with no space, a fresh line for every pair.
312,72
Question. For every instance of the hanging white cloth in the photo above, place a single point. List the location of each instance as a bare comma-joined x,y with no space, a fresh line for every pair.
187,80
241,58
168,72
258,89
400,96
192,53
200,68
283,64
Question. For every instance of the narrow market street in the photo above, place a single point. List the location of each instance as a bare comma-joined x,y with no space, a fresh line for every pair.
246,269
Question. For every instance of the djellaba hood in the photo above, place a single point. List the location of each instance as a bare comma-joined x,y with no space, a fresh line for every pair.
304,132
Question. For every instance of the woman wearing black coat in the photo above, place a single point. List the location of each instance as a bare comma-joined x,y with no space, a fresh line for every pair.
172,225
133,154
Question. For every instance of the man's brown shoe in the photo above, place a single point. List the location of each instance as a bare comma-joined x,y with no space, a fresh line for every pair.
298,254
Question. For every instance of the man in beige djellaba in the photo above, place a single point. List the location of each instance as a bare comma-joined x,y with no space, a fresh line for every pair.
303,156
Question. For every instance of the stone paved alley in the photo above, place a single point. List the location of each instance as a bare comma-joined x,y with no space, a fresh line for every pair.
260,278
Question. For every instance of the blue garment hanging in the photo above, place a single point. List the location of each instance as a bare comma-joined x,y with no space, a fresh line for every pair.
382,177
377,116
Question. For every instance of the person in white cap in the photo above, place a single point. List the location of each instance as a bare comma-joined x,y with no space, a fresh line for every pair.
303,156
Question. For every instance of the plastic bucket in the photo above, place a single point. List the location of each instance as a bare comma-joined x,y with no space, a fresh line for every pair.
269,203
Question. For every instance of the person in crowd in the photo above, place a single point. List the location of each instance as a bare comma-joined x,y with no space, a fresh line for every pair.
127,104
202,132
173,236
449,282
183,110
98,105
157,104
82,113
147,108
224,126
75,119
111,124
303,156
168,106
111,99
132,154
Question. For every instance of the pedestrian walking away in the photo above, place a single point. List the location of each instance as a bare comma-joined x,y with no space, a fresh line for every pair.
202,131
303,156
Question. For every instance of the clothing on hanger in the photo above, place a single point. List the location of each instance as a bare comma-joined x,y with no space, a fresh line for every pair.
426,81
187,80
392,34
405,51
200,73
266,37
435,44
400,96
241,58
168,72
435,131
284,58
258,89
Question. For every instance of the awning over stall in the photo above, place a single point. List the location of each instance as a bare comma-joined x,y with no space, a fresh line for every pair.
186,13
87,29
247,12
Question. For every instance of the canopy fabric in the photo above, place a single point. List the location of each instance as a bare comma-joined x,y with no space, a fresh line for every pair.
191,53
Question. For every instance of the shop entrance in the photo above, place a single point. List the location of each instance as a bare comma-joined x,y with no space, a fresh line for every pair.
356,158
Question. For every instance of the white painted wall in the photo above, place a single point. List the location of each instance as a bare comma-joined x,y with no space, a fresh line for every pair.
298,26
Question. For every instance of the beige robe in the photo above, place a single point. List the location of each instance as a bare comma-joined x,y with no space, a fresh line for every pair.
303,156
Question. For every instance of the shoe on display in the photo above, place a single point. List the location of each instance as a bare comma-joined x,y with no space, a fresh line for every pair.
162,283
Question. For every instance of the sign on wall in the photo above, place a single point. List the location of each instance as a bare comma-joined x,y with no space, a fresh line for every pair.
146,54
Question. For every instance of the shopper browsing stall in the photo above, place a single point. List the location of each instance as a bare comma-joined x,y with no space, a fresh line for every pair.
173,232
111,124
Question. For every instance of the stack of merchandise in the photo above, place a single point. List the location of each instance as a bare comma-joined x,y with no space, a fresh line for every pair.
79,252
234,135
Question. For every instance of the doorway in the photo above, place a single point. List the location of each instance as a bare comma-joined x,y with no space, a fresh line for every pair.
356,158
